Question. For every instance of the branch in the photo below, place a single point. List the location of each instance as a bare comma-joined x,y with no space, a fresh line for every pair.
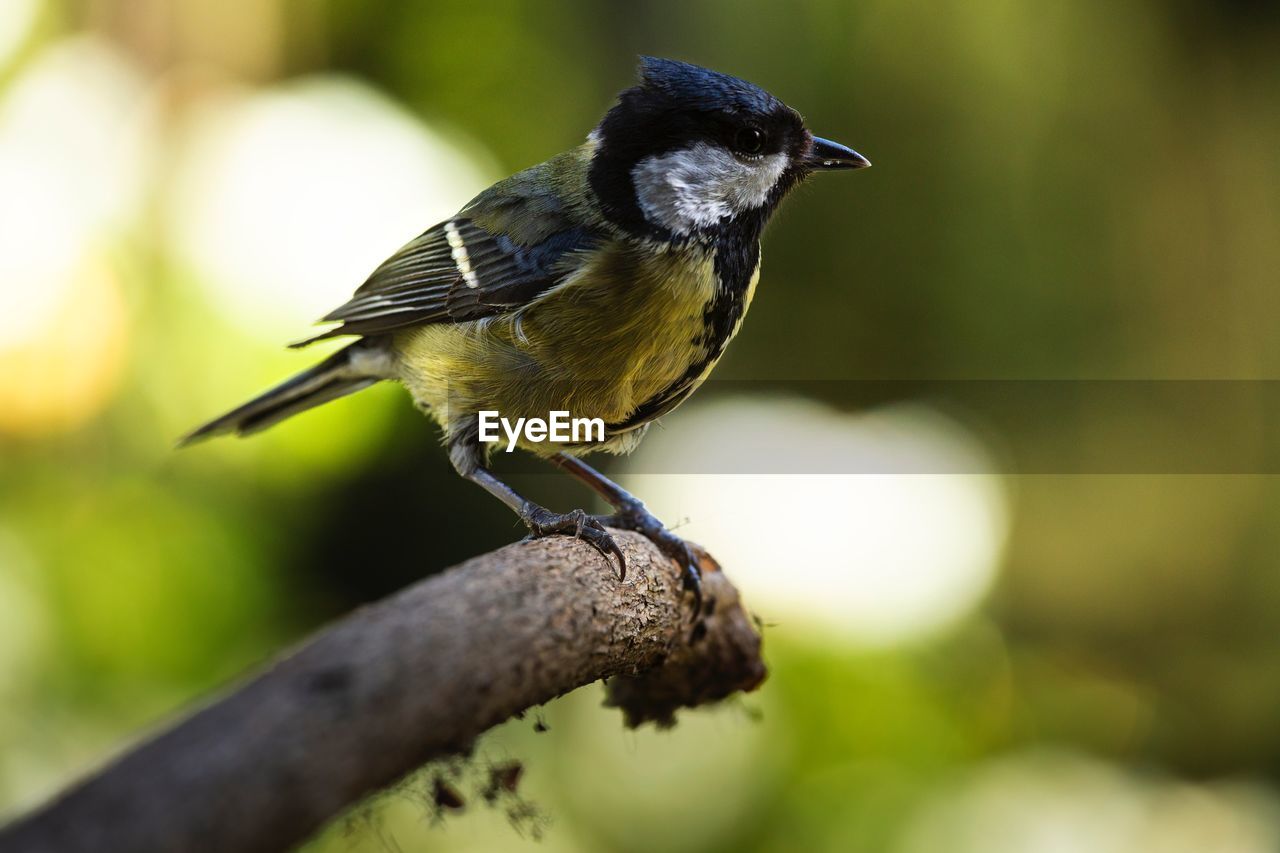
414,677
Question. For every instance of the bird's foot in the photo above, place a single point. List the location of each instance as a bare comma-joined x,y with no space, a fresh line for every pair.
634,516
543,522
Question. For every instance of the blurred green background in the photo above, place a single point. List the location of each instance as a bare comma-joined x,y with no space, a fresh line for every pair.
967,654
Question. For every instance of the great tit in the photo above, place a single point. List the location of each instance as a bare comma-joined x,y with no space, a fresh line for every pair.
605,282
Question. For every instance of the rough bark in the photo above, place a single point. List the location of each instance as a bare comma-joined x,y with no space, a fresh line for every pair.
414,677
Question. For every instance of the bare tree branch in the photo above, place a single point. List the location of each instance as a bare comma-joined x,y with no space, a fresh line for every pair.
414,677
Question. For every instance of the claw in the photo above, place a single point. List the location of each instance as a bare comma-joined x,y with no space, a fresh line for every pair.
602,541
579,525
638,518
612,545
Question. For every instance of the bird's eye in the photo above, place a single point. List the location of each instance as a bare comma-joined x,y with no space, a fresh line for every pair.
749,140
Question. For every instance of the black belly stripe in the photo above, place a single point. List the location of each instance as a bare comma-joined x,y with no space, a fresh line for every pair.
737,254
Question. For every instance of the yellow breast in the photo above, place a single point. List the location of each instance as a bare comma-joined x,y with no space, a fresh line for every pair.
626,326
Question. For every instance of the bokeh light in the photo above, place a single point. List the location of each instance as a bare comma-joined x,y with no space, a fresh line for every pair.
16,20
73,151
68,372
1055,802
901,536
71,157
286,199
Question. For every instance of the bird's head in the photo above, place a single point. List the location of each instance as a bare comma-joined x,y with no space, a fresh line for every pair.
688,152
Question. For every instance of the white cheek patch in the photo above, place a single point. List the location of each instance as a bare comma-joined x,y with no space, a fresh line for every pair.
699,186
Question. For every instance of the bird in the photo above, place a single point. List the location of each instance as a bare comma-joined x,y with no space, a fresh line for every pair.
605,282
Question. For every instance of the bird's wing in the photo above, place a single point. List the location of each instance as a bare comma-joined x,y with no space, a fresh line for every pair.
509,246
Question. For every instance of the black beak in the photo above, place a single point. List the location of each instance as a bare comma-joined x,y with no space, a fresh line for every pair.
826,155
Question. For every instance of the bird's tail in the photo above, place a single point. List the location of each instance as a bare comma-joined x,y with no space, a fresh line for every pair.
346,371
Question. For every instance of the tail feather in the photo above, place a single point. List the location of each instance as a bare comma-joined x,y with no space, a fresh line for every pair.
345,372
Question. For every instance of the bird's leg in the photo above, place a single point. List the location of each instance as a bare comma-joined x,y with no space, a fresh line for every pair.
630,514
467,458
